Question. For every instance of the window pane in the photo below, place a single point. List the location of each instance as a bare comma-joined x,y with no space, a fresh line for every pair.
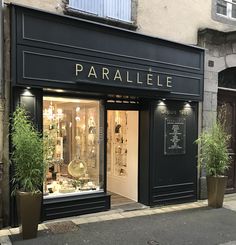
221,7
234,9
71,130
115,9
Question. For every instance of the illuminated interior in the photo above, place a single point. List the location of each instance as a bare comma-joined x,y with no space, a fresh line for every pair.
122,153
71,131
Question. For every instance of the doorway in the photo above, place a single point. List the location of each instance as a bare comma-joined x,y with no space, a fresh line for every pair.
122,156
228,100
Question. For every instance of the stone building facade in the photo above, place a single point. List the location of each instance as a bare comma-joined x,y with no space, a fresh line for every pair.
191,22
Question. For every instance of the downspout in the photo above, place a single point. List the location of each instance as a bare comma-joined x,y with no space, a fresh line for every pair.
1,113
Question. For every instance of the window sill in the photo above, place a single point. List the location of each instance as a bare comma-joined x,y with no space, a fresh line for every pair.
112,22
224,19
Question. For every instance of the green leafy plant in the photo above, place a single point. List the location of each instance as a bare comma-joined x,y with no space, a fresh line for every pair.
27,154
49,141
213,149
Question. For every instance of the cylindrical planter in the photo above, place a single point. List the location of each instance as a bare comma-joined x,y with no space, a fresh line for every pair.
216,190
29,209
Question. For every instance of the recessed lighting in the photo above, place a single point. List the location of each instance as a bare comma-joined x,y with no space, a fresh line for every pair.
28,87
161,102
59,90
187,105
27,93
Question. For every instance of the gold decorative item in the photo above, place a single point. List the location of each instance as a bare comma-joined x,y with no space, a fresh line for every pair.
76,168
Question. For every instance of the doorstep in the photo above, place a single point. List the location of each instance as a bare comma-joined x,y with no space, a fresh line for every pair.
114,214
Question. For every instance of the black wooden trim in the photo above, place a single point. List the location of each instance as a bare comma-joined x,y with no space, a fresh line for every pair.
105,147
173,179
75,205
144,154
183,63
74,21
13,61
122,106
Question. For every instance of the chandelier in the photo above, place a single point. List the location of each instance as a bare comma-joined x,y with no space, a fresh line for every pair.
53,114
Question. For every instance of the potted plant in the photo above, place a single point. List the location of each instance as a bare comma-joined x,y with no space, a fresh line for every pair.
215,159
29,171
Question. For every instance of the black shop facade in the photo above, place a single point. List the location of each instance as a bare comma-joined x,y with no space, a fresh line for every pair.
120,108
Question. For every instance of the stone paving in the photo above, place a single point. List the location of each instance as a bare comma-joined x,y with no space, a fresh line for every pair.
230,203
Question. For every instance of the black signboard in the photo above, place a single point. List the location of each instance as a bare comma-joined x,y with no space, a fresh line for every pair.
52,51
175,136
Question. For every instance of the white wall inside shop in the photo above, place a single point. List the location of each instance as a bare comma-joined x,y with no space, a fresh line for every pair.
127,186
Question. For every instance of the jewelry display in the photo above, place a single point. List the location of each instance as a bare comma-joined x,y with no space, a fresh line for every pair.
71,130
117,143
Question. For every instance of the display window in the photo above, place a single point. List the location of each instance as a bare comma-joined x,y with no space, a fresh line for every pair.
72,146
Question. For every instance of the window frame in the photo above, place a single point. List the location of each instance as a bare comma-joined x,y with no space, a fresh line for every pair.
132,25
229,7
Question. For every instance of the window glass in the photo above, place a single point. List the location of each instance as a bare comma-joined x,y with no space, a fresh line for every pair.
234,9
221,7
113,9
71,133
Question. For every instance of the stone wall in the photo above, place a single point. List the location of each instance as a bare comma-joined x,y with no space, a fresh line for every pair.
162,18
46,5
4,119
179,20
220,54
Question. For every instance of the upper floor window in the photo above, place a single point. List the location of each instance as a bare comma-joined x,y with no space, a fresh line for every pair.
226,8
110,9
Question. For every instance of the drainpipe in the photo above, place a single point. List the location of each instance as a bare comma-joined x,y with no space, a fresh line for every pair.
1,112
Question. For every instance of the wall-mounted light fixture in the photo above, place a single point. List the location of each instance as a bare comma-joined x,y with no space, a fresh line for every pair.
27,92
161,102
187,105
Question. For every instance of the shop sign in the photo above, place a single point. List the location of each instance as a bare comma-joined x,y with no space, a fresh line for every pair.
175,136
121,76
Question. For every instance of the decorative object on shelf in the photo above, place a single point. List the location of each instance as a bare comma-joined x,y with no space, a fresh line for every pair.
77,117
91,131
117,143
117,129
52,114
77,168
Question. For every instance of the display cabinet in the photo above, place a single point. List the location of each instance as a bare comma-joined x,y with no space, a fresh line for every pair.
71,133
117,143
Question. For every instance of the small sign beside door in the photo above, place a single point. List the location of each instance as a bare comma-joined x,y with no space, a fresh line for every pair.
175,136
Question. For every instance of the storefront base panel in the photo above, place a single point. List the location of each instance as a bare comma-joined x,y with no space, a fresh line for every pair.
173,194
73,206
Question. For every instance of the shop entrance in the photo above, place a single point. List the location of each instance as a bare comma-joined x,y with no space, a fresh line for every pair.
227,98
122,156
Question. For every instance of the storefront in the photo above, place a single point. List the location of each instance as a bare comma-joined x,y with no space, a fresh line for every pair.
120,110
